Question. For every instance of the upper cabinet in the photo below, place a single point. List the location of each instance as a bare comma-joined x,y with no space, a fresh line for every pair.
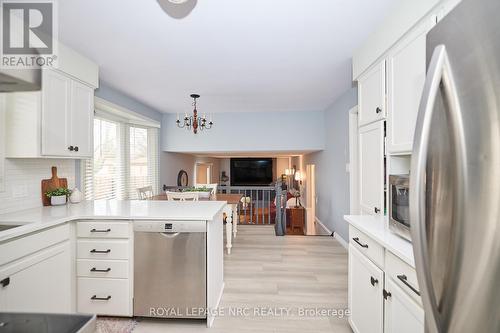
406,71
56,122
371,168
371,95
56,113
82,119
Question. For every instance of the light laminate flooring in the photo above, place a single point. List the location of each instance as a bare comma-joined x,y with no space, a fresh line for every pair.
273,281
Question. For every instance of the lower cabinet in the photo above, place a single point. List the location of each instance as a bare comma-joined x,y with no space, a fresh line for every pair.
40,282
402,313
383,295
103,267
366,282
109,297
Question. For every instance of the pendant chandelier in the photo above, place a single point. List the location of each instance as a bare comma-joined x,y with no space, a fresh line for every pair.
195,122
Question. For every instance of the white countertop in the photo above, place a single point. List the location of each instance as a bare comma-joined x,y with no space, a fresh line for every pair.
375,227
44,217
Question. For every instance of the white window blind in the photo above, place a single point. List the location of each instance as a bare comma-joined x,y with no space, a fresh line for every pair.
125,159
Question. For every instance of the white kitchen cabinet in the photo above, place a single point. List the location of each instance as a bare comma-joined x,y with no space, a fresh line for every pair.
82,122
56,122
366,283
406,70
401,313
371,168
104,254
40,282
2,142
56,113
371,92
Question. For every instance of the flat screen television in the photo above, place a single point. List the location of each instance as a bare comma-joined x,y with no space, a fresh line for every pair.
251,171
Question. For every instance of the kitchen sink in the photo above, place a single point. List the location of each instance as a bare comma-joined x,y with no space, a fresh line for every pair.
4,227
46,323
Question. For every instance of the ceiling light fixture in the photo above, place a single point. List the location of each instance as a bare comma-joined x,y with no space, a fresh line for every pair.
178,2
194,121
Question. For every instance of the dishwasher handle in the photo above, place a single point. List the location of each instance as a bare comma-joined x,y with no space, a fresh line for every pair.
169,234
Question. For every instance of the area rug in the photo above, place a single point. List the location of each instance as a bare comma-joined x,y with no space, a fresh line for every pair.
115,325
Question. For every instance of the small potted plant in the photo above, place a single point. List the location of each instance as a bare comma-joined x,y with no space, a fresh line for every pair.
58,196
203,191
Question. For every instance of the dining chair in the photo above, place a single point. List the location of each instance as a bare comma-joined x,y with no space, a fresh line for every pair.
182,196
145,193
213,187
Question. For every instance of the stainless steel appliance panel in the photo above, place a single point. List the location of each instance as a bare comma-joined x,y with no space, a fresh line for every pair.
454,187
399,210
169,271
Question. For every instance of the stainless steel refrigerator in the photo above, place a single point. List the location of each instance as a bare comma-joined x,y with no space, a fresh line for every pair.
455,175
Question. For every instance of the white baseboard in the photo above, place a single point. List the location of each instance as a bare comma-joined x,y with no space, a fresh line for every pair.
335,235
341,240
322,225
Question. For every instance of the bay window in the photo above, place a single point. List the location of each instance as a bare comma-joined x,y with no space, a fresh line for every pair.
125,159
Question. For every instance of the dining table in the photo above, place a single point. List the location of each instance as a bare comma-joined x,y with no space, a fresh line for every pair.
231,215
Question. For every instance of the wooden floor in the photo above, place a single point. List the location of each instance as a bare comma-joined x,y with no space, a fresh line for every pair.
292,272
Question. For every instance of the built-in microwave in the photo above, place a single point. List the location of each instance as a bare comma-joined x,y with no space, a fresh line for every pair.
399,207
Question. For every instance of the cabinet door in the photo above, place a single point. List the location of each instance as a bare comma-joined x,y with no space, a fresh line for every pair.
371,89
40,282
2,140
56,117
402,313
371,168
366,283
406,71
82,119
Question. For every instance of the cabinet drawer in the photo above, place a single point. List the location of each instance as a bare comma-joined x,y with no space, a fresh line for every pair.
104,297
367,246
96,229
102,268
102,249
403,275
20,247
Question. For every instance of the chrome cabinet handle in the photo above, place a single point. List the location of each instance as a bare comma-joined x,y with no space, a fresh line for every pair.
99,251
373,281
101,270
356,239
95,298
98,230
404,279
439,76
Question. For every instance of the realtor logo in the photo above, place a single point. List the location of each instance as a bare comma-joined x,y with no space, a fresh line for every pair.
28,33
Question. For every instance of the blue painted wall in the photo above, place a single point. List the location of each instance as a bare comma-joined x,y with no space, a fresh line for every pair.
249,131
332,179
114,96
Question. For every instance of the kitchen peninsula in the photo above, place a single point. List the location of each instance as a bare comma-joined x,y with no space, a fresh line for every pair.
80,258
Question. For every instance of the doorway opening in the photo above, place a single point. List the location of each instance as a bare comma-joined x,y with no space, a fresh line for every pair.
203,173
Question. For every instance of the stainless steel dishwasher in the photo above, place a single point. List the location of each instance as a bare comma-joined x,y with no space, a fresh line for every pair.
170,269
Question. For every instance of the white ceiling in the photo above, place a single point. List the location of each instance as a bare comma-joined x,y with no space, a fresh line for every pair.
240,55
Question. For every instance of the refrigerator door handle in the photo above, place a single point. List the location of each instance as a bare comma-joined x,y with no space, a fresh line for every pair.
439,76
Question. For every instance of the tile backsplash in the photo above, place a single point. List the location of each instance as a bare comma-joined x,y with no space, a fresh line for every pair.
23,178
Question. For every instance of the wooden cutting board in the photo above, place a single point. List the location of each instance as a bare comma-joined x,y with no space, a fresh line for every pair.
52,184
